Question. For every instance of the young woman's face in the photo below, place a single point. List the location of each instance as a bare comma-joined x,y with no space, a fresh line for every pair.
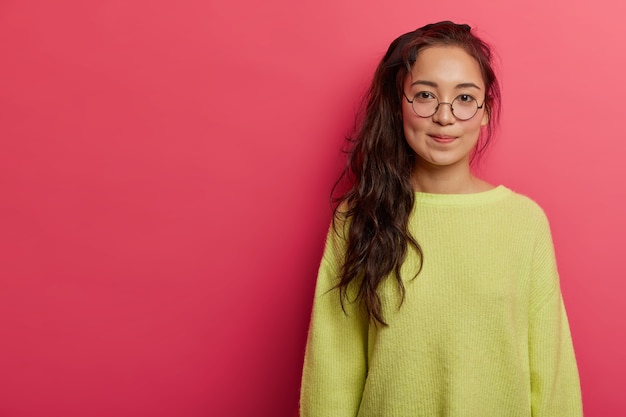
444,73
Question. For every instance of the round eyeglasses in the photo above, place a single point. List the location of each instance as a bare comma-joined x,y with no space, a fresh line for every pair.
426,104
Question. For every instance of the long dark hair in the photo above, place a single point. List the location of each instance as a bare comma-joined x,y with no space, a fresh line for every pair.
374,210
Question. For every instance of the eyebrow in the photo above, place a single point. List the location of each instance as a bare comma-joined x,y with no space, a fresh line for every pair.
433,84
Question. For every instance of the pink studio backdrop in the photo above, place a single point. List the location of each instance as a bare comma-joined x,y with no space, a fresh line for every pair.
164,178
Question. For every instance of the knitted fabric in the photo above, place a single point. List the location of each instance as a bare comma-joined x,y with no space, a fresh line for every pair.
482,331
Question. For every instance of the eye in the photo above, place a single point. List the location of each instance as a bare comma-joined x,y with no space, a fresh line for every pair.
424,97
465,98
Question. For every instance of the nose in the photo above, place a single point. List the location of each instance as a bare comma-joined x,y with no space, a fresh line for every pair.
443,115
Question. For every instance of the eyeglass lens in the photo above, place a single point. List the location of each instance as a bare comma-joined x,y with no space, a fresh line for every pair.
464,107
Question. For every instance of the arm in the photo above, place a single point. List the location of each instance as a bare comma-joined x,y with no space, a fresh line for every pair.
335,363
555,387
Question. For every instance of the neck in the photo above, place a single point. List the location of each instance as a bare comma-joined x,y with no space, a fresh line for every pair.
447,180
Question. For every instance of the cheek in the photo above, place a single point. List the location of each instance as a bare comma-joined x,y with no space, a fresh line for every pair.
411,123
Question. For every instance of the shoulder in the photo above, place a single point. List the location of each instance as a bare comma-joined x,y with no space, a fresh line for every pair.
521,200
337,236
525,210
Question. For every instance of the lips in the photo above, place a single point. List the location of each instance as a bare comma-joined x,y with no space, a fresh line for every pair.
443,138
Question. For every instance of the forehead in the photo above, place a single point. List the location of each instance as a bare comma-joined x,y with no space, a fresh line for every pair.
446,66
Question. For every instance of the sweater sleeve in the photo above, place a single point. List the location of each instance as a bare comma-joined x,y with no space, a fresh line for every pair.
335,362
555,387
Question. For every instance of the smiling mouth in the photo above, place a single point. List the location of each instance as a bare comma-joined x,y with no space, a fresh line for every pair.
443,138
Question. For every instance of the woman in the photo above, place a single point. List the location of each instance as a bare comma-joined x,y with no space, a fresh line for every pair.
438,293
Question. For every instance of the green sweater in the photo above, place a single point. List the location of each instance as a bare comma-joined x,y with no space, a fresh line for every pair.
482,331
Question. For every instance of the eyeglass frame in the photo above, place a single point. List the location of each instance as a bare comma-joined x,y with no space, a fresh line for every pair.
439,103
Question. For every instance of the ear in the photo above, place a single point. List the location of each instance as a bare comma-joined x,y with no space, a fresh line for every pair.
485,119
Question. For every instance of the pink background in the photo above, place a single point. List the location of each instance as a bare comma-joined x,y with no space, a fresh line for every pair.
164,179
